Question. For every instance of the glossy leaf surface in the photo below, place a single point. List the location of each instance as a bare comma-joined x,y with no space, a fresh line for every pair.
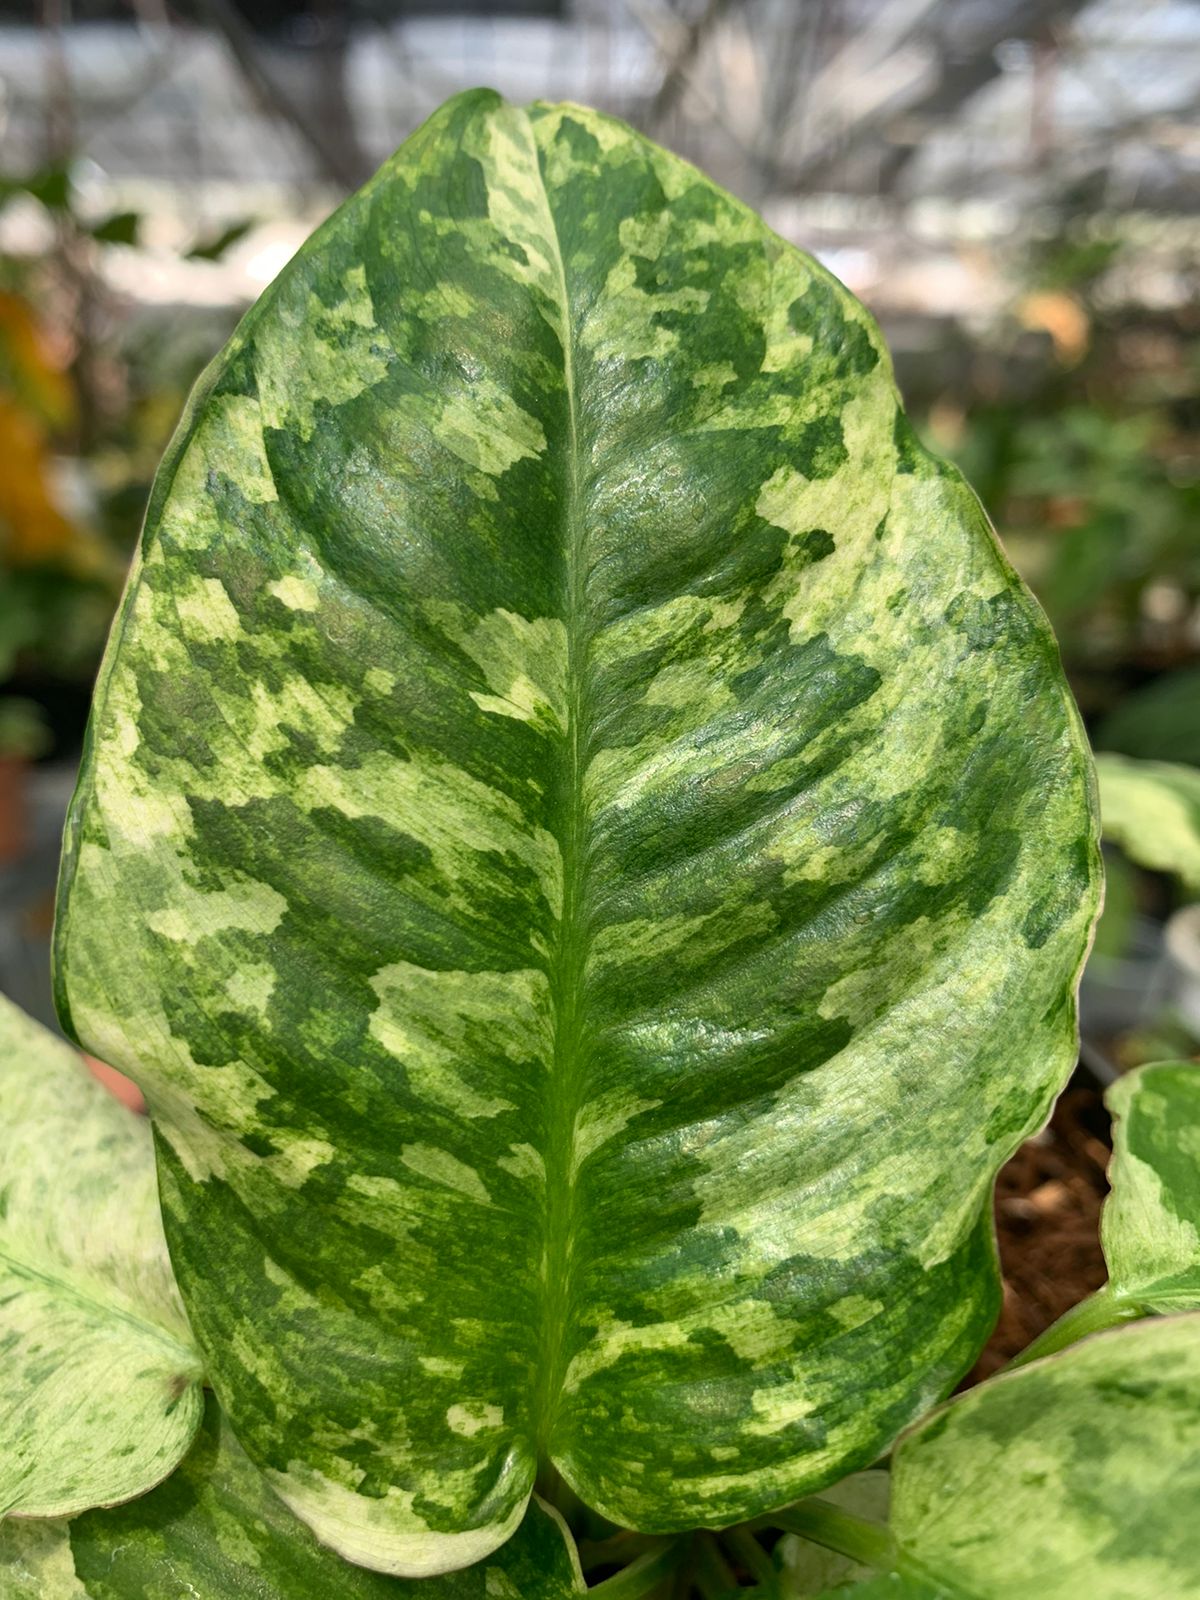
1077,1475
1152,810
99,1377
215,1530
1150,1227
602,849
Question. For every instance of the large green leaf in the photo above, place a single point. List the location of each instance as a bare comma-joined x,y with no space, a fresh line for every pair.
1076,1476
1152,810
586,848
1150,1227
215,1531
100,1390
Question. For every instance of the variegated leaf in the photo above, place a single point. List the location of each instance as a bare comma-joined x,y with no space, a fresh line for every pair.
215,1531
1150,1227
1076,1476
99,1377
886,1586
601,850
36,1561
1152,810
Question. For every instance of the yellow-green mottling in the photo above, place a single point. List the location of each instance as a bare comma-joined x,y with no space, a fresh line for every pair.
883,1586
215,1531
1152,810
1150,1227
36,1561
100,1390
1078,1475
600,852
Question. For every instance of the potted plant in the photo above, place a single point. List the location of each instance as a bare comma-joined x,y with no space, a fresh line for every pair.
586,848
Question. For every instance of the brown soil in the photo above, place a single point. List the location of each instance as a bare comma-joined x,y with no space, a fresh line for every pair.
1048,1201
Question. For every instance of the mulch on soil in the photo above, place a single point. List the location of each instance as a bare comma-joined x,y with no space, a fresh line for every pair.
1048,1200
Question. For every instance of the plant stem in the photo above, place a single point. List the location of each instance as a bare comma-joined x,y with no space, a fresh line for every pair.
614,1552
644,1575
1101,1310
742,1544
712,1574
828,1525
556,1491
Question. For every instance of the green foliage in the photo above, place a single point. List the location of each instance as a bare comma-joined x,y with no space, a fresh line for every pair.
1075,1476
586,848
51,185
1115,927
62,553
99,1385
1151,1222
1151,1228
1092,516
23,730
1078,1475
214,246
122,227
1159,723
808,1569
524,794
215,1530
1152,810
54,618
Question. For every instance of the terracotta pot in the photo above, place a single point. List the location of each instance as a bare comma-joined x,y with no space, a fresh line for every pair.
126,1091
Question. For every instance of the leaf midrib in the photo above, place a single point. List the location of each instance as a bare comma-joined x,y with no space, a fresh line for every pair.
569,954
89,1295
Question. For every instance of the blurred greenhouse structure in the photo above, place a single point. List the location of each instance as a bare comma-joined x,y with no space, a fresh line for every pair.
1013,187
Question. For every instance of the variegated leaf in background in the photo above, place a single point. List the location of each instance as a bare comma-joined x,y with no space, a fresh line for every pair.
1076,1476
1150,1227
215,1531
886,1586
100,1381
587,850
1152,810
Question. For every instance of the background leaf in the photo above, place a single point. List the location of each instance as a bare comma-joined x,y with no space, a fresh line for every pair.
214,246
36,1561
1152,810
1160,722
1077,1475
1150,1226
214,1529
122,227
1114,931
888,1586
99,1381
602,847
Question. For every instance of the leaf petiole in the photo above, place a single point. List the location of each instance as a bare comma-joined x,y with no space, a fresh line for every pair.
711,1573
828,1525
1099,1311
642,1577
621,1547
741,1543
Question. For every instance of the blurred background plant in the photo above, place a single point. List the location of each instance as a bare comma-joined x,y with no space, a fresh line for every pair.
1011,186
